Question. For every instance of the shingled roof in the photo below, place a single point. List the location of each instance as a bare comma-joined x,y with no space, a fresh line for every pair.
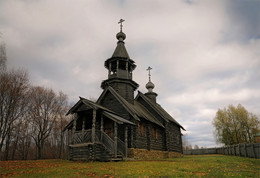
137,110
85,104
167,117
128,106
120,51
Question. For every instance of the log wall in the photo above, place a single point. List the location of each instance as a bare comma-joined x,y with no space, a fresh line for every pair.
89,152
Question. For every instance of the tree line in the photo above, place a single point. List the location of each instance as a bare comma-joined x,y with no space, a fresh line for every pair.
31,117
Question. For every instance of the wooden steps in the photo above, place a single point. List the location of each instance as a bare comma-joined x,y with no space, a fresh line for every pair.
92,152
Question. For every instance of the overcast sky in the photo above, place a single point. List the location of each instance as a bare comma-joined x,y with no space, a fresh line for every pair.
205,54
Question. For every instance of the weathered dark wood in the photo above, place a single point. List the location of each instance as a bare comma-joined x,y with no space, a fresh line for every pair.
251,150
74,127
83,123
140,121
132,137
126,145
93,126
115,138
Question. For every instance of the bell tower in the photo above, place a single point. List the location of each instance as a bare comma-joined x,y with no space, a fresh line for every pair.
120,70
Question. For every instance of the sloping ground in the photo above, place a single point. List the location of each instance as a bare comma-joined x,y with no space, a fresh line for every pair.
196,166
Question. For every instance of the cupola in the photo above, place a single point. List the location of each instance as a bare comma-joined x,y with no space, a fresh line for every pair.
120,69
150,86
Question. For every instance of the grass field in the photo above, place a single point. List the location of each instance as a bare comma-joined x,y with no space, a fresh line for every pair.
196,166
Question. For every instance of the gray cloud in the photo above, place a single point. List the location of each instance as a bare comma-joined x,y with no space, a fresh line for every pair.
204,54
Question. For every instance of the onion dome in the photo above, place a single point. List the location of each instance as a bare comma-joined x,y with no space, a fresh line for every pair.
150,86
121,36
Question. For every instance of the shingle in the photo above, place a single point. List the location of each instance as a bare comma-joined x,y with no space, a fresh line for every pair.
120,51
159,109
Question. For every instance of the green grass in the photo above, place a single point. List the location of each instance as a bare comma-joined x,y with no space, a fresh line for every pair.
195,166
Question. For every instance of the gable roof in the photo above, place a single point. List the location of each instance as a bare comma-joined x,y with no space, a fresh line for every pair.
128,106
145,114
85,104
117,118
157,108
137,110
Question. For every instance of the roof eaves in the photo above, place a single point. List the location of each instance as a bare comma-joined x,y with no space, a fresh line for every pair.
167,117
74,107
117,118
124,103
152,105
146,114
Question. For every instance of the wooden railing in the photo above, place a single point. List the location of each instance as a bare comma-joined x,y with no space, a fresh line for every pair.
82,137
121,147
100,136
107,141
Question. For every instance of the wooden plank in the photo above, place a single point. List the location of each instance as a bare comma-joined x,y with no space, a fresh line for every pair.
80,145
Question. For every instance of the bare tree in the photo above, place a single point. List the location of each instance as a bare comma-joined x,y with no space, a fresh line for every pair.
13,102
24,139
186,145
196,147
63,120
3,57
43,115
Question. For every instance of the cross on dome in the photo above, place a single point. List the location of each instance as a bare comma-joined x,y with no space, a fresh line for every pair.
121,36
149,74
149,85
121,24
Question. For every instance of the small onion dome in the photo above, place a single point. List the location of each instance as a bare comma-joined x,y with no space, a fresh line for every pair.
120,36
149,85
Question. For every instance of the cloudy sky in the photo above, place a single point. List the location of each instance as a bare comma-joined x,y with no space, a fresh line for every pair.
205,54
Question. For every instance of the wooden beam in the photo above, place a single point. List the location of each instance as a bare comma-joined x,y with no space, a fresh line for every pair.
117,67
102,123
102,127
132,137
74,128
83,123
115,138
68,142
93,125
126,145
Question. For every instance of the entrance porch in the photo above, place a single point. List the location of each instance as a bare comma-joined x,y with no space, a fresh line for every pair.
96,133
